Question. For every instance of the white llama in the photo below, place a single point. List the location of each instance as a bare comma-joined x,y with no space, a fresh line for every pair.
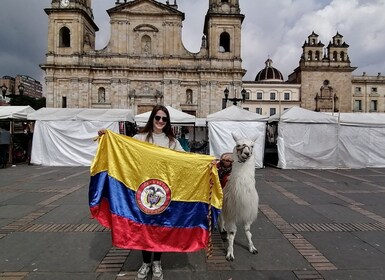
240,197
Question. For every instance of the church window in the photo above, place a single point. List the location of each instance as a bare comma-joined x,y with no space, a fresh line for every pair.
101,95
247,95
309,55
272,95
357,105
334,56
224,42
373,106
286,95
374,90
259,95
146,44
317,55
64,102
342,56
64,37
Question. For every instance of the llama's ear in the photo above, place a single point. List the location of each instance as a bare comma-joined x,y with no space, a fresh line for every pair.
235,137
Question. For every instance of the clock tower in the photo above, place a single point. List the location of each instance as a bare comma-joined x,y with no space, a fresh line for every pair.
71,28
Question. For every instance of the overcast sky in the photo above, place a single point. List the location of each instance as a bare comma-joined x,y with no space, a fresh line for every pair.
272,28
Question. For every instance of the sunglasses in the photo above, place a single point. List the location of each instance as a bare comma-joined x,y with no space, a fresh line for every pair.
164,119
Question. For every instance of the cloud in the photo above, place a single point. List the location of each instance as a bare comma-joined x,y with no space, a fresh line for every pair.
273,28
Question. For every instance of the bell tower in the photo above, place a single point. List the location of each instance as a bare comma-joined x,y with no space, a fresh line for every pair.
223,24
71,27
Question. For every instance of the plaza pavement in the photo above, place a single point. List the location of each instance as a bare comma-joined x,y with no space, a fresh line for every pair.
313,224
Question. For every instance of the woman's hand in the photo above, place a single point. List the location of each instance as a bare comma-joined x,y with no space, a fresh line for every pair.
101,132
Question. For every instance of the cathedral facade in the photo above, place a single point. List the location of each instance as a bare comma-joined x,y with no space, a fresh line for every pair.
145,61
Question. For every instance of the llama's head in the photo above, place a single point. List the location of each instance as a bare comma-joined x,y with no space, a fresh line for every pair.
244,147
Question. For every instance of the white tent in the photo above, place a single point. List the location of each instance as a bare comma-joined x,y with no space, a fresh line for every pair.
306,139
240,121
65,136
15,112
362,140
177,117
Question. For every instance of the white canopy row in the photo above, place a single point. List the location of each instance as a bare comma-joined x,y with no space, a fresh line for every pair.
308,139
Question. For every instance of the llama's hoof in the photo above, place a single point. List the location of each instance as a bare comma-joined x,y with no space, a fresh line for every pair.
230,257
253,251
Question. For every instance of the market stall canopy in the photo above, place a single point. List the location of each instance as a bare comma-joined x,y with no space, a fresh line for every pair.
234,113
299,115
65,136
84,114
177,117
15,112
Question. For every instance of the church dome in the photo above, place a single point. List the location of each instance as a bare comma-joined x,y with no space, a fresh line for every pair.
269,73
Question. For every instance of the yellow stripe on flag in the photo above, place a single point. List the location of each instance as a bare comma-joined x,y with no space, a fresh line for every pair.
133,162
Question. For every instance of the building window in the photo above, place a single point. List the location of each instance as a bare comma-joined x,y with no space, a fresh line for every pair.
224,42
64,102
247,95
64,37
317,55
309,55
358,90
272,95
101,95
259,95
258,111
334,56
373,106
246,108
357,105
286,96
272,111
374,90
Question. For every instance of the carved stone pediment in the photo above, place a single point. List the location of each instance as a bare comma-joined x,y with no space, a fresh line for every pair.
145,7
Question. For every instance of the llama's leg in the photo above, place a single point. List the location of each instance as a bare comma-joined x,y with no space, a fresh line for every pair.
252,249
221,224
231,231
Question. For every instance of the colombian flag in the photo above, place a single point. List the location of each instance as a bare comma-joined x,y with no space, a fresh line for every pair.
151,197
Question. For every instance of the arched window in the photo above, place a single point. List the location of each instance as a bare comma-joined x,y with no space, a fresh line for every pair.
189,96
101,95
334,56
342,56
317,55
224,42
64,37
309,55
146,44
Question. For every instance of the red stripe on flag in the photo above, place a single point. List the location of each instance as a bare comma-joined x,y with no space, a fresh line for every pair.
130,235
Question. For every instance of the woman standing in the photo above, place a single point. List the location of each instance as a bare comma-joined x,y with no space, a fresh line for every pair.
158,131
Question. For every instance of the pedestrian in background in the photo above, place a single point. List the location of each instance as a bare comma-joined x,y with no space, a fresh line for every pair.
5,141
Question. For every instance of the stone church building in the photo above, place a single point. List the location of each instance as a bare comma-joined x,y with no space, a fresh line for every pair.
145,61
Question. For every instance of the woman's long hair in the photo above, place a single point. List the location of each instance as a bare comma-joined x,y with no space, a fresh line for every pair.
167,129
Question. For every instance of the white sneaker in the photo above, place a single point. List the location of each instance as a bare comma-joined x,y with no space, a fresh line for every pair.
157,273
144,271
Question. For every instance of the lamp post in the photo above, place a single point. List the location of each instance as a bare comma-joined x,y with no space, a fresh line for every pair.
21,89
235,100
4,90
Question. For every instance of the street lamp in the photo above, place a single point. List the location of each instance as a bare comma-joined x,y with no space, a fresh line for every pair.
235,100
21,89
4,90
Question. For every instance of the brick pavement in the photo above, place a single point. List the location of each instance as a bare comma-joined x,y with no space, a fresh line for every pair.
313,224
